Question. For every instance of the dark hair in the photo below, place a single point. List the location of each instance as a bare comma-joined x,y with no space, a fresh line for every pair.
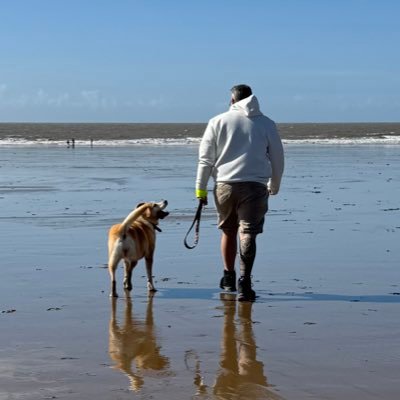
240,92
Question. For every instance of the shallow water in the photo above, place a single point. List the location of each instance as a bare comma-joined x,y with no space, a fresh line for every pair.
324,325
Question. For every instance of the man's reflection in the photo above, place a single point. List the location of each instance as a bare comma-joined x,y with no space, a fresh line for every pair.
133,344
240,375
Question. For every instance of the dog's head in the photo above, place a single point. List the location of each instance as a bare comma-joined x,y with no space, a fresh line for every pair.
155,211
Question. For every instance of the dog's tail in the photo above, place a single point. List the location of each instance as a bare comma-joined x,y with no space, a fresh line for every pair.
134,215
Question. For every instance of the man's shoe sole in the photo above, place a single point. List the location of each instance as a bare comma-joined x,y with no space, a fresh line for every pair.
228,289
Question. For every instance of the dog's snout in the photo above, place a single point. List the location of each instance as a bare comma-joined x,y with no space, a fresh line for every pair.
163,204
163,214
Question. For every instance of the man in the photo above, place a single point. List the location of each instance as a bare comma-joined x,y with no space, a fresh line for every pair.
242,150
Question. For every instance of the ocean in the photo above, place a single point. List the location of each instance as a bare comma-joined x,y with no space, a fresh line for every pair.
28,134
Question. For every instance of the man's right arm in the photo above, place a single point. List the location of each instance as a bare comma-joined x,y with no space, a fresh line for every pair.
207,157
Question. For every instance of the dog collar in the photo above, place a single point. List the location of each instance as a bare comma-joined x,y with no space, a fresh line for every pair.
148,223
156,227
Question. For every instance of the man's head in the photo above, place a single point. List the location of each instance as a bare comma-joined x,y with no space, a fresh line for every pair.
240,92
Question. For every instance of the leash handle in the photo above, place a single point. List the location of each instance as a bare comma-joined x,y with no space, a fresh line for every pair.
196,224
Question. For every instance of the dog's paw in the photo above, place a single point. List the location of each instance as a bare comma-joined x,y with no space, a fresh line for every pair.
150,287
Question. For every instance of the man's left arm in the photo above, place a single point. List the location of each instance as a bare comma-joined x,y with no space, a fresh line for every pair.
277,159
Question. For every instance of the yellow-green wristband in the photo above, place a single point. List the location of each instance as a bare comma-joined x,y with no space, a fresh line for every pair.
201,194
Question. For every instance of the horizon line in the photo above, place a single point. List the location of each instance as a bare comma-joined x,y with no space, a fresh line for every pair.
189,123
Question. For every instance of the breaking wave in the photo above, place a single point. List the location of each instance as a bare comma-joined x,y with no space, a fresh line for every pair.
392,140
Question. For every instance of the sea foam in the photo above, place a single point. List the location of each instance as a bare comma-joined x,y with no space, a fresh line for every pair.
392,140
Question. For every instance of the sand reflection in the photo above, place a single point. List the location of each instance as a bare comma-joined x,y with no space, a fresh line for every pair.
133,344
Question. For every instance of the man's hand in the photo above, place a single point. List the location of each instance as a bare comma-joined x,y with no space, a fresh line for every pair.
204,201
272,189
202,196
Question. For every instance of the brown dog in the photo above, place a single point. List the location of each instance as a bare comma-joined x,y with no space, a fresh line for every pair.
133,239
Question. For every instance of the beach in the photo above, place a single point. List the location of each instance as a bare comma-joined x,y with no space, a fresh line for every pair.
324,325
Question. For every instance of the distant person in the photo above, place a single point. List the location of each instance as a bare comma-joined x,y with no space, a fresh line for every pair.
242,150
91,142
68,143
73,142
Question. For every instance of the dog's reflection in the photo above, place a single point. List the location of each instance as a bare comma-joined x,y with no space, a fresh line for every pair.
133,344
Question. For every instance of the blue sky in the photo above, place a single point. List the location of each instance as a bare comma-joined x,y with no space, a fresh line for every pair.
175,61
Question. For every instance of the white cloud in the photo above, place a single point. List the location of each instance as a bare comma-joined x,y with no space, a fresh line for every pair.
92,99
155,102
298,98
20,101
60,100
3,88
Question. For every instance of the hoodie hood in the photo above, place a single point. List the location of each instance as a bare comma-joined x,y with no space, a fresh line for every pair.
249,106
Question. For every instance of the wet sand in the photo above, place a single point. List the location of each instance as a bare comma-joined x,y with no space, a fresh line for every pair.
325,324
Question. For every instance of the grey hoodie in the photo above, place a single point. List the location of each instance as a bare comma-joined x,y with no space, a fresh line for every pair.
241,145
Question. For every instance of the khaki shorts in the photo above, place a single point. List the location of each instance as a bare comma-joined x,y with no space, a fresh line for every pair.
241,205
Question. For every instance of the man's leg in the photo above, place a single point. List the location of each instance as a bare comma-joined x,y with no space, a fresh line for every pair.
228,252
247,250
247,256
252,210
229,249
228,223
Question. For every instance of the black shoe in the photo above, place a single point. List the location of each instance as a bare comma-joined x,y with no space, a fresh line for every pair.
245,292
228,281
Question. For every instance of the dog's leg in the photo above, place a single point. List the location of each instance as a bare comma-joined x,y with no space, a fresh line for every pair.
112,266
113,284
129,265
149,270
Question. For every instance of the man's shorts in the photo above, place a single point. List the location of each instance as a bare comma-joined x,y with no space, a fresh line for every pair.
241,205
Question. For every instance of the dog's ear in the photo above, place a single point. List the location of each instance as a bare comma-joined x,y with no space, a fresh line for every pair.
140,204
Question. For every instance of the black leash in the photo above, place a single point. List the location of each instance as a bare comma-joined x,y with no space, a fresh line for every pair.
196,223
